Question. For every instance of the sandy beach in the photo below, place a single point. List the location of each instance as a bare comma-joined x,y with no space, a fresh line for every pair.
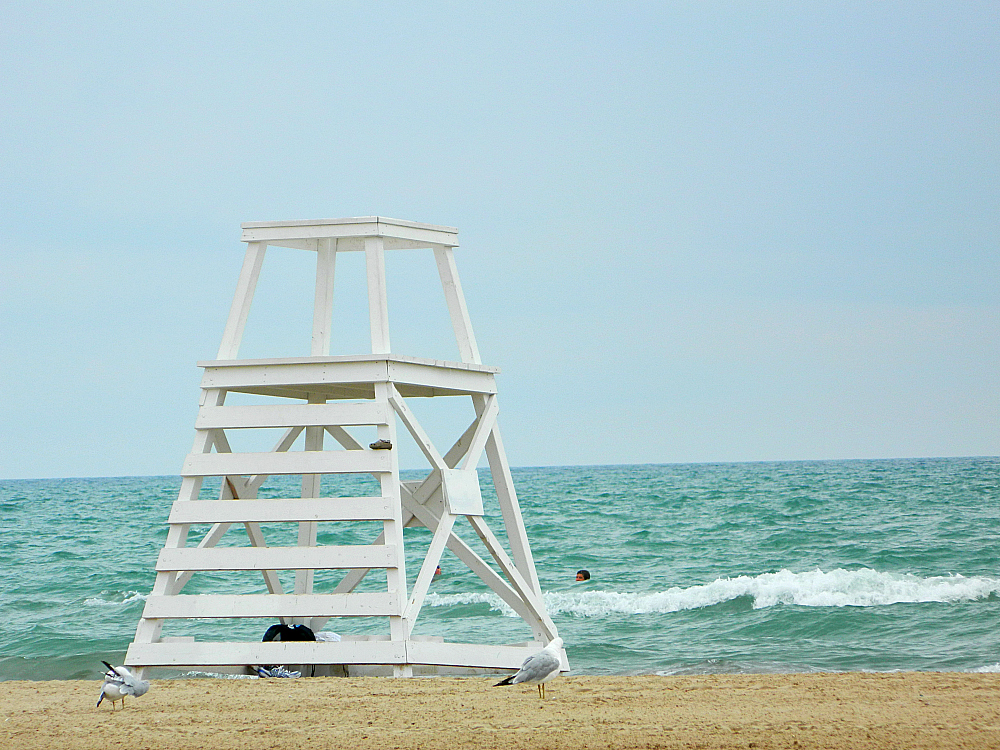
902,710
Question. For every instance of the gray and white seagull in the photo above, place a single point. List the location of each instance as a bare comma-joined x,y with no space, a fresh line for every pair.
119,682
538,668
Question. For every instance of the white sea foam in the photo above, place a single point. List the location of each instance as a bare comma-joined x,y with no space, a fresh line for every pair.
115,598
494,602
816,588
989,668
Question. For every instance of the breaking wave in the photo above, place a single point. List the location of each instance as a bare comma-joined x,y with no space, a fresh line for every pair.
817,588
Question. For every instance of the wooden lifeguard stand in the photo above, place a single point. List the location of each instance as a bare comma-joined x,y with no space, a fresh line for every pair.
322,395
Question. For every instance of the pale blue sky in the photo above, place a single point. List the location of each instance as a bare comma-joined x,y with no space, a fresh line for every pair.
690,231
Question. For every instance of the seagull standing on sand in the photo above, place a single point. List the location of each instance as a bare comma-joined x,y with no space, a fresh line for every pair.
118,683
538,668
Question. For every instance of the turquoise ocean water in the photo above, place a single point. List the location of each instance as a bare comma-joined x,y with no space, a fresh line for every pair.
763,567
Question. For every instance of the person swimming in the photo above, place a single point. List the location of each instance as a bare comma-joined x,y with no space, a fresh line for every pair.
583,575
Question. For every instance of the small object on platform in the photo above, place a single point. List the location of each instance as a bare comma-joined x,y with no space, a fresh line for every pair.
282,632
381,445
276,672
538,668
119,682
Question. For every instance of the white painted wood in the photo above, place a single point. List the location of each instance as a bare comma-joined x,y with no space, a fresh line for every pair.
353,577
245,287
439,381
462,493
176,581
355,244
290,415
326,256
314,443
366,390
364,604
432,484
510,509
277,510
286,442
236,488
233,489
271,580
346,359
310,488
345,438
460,321
484,427
529,608
378,306
433,503
427,489
292,462
278,558
425,384
349,379
461,446
277,374
210,540
220,441
412,651
399,627
254,482
409,234
524,589
431,561
177,534
273,652
421,438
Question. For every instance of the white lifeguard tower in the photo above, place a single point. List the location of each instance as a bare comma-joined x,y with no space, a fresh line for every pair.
322,395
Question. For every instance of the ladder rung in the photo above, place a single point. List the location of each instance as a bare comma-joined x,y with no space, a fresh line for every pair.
290,462
271,605
294,509
291,415
272,652
415,651
277,558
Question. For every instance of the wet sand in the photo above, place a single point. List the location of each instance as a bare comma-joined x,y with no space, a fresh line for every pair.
903,710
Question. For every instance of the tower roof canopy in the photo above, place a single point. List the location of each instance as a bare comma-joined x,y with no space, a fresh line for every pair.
350,233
